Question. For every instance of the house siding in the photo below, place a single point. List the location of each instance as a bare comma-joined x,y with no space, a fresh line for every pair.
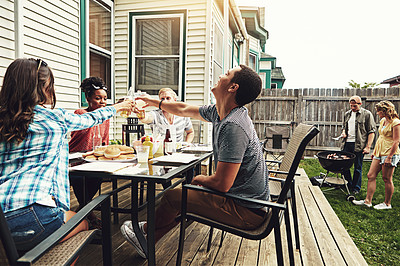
7,37
195,61
50,30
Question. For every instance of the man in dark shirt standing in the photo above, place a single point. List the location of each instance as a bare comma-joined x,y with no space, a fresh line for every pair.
358,134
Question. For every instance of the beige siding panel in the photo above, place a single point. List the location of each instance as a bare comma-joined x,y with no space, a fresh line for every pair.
6,5
66,44
52,33
56,53
7,45
254,44
196,32
7,35
195,43
196,64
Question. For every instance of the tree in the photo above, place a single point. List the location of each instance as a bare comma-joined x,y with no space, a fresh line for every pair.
356,85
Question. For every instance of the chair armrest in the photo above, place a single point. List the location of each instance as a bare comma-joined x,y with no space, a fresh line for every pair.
281,172
273,161
35,253
271,178
232,196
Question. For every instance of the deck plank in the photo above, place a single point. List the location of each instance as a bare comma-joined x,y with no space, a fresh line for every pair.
326,244
345,244
323,239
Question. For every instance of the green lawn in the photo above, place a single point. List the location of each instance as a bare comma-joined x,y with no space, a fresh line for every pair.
375,232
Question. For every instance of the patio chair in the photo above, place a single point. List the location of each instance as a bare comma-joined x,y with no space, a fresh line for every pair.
275,184
276,141
50,251
276,210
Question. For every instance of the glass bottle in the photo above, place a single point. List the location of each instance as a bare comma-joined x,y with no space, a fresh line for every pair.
168,144
97,141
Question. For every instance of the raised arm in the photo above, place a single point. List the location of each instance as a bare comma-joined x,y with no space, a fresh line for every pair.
176,108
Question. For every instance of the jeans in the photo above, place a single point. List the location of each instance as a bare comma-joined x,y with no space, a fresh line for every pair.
31,225
355,183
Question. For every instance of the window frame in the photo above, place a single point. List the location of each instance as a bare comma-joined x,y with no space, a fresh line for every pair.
87,47
181,15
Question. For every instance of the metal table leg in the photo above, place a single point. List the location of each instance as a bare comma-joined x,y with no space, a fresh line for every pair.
151,225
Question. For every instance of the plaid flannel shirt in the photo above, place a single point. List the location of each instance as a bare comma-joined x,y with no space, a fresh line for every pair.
37,168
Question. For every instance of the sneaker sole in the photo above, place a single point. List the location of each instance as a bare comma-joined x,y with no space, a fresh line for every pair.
138,249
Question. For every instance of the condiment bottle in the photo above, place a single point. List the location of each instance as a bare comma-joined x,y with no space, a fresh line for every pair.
147,142
96,137
168,144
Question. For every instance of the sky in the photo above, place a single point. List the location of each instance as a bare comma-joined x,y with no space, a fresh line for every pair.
325,44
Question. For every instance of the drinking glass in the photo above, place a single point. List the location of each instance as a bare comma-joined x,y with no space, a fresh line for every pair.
126,114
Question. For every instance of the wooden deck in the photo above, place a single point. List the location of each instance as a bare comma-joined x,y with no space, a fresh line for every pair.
323,239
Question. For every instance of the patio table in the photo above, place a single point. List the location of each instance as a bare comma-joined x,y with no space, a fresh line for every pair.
153,173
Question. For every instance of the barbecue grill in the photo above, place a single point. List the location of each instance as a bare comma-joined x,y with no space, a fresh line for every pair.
336,162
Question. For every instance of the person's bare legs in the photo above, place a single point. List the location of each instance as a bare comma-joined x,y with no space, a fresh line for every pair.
374,169
83,226
387,176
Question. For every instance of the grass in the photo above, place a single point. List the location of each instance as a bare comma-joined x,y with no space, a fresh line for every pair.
376,233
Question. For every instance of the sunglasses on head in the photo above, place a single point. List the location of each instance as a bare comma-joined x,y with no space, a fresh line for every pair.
40,63
98,88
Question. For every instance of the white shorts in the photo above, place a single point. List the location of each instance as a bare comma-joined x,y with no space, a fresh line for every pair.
395,159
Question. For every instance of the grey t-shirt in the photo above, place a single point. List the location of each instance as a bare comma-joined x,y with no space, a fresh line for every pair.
235,141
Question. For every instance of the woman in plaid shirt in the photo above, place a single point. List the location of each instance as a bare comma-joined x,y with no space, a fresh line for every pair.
34,185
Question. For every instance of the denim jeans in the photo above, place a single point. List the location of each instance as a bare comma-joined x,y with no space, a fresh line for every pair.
355,182
31,225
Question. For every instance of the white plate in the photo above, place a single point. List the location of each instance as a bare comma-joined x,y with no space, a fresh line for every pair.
183,158
101,166
112,161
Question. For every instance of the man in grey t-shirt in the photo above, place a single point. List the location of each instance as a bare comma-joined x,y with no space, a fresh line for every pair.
239,163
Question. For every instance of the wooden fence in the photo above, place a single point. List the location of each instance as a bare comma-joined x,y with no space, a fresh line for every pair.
324,108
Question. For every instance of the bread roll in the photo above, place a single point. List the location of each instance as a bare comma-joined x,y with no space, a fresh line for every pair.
112,152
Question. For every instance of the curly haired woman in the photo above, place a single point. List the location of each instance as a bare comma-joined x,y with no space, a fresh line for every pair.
81,140
386,155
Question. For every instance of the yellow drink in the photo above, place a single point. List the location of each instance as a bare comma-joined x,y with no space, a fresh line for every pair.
125,114
141,114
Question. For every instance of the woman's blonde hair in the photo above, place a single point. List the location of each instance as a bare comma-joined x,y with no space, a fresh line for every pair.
387,108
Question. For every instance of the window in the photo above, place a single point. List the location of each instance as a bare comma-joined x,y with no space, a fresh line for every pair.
274,85
263,77
157,53
253,61
100,54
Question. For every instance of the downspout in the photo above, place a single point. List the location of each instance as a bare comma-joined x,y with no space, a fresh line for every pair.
242,29
18,28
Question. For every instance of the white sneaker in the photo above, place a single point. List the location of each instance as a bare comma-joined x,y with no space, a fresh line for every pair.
141,226
130,236
362,203
382,206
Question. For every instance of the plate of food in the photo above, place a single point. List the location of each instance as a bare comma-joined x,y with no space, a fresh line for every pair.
110,153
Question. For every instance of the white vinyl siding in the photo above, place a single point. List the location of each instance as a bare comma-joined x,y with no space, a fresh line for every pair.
254,44
7,44
51,32
195,62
